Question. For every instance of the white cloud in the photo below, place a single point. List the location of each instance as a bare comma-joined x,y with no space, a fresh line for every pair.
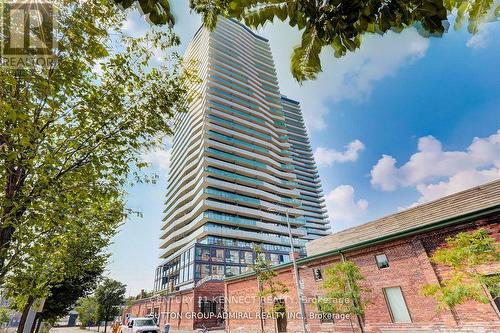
482,39
327,156
159,158
343,208
479,40
135,24
436,173
461,181
351,77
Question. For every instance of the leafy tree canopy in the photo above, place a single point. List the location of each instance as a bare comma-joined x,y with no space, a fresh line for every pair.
109,296
343,289
158,11
269,287
465,254
63,295
340,24
68,263
87,310
74,133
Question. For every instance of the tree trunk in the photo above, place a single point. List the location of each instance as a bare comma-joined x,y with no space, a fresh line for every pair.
24,315
15,180
35,323
105,325
261,307
38,325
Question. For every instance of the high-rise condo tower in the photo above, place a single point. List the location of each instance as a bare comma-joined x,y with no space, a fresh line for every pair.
241,162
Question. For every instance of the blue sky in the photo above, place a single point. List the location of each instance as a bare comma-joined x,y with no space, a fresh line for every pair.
402,121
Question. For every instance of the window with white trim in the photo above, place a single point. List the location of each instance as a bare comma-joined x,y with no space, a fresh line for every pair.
397,305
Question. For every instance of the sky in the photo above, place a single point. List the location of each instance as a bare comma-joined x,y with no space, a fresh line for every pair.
402,121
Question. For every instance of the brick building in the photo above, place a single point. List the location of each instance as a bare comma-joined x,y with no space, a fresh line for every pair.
393,255
185,310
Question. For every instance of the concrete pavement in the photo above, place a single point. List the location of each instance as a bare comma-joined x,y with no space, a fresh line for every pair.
101,330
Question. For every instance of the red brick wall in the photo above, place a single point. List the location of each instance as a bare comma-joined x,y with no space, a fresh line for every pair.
181,310
410,269
210,291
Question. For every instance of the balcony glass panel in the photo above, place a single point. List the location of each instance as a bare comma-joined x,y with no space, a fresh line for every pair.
240,127
236,158
233,175
238,141
232,196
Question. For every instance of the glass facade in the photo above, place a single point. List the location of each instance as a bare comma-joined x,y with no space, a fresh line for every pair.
202,261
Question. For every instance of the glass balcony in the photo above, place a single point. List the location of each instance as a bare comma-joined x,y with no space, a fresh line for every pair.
231,232
231,73
290,201
232,85
276,111
265,68
237,141
236,158
234,98
233,176
232,196
289,183
240,127
212,215
234,111
267,78
279,123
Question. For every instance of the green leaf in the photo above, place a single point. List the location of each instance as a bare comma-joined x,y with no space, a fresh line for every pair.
306,63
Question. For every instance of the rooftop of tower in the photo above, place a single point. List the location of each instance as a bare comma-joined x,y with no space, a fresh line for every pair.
249,30
241,25
289,100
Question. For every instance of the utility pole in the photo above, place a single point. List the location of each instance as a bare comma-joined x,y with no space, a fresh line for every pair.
296,273
295,270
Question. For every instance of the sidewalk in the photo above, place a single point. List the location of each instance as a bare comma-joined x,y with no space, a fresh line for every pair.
101,330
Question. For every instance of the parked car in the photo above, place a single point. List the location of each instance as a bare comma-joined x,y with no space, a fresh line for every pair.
140,325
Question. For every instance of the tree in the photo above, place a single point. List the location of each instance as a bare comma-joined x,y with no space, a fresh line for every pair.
267,286
65,256
342,24
464,254
63,296
341,281
5,315
158,11
110,295
76,130
87,311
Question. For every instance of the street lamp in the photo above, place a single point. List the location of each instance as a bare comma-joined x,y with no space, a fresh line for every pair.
295,270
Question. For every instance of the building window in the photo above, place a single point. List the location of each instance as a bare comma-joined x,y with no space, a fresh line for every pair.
318,276
202,271
247,258
232,270
217,270
274,259
232,256
202,254
245,269
382,261
213,307
218,255
397,305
